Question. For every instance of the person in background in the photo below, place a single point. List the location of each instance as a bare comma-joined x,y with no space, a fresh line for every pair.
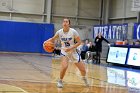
84,49
90,54
125,42
91,47
131,42
98,45
87,42
137,42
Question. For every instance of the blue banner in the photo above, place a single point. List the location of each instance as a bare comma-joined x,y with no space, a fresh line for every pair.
136,32
111,31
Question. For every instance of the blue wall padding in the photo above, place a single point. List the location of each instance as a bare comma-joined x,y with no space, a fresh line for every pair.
23,36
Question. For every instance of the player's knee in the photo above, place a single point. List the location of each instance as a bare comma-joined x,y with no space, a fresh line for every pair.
64,67
83,70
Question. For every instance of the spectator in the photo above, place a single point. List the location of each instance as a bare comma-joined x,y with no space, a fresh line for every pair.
131,42
90,54
137,42
91,47
98,45
125,42
87,42
84,49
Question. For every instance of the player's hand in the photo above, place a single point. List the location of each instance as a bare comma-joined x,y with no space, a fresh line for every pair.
44,43
49,40
109,44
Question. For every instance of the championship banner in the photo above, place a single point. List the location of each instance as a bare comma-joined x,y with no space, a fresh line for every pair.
111,31
136,32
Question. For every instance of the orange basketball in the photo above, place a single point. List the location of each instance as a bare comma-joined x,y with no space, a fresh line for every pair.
48,46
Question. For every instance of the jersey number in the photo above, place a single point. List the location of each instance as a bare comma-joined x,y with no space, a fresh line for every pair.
67,44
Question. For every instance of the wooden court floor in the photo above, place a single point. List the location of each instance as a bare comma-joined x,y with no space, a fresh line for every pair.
35,73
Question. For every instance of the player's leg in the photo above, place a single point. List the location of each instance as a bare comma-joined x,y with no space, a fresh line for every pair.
64,66
81,67
79,63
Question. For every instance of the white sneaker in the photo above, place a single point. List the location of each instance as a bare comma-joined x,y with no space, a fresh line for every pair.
86,82
60,84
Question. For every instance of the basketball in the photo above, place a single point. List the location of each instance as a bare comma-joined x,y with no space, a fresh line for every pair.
48,46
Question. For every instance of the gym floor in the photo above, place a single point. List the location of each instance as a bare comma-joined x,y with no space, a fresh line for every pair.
37,73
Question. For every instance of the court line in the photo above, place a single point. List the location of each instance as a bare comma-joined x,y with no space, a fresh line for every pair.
5,91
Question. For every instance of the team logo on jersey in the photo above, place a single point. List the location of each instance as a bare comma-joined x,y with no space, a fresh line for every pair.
66,39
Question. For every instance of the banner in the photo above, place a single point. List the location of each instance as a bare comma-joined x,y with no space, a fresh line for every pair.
135,5
136,32
111,31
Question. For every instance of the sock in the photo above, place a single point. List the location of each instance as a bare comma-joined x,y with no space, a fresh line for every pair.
60,80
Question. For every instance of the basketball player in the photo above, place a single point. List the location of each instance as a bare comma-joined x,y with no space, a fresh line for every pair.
67,37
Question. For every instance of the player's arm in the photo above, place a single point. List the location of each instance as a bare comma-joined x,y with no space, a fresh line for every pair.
78,42
77,39
53,38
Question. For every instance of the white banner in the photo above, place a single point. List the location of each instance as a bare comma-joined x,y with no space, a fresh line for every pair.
135,5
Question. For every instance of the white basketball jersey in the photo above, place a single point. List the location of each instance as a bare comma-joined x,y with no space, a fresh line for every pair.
67,38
